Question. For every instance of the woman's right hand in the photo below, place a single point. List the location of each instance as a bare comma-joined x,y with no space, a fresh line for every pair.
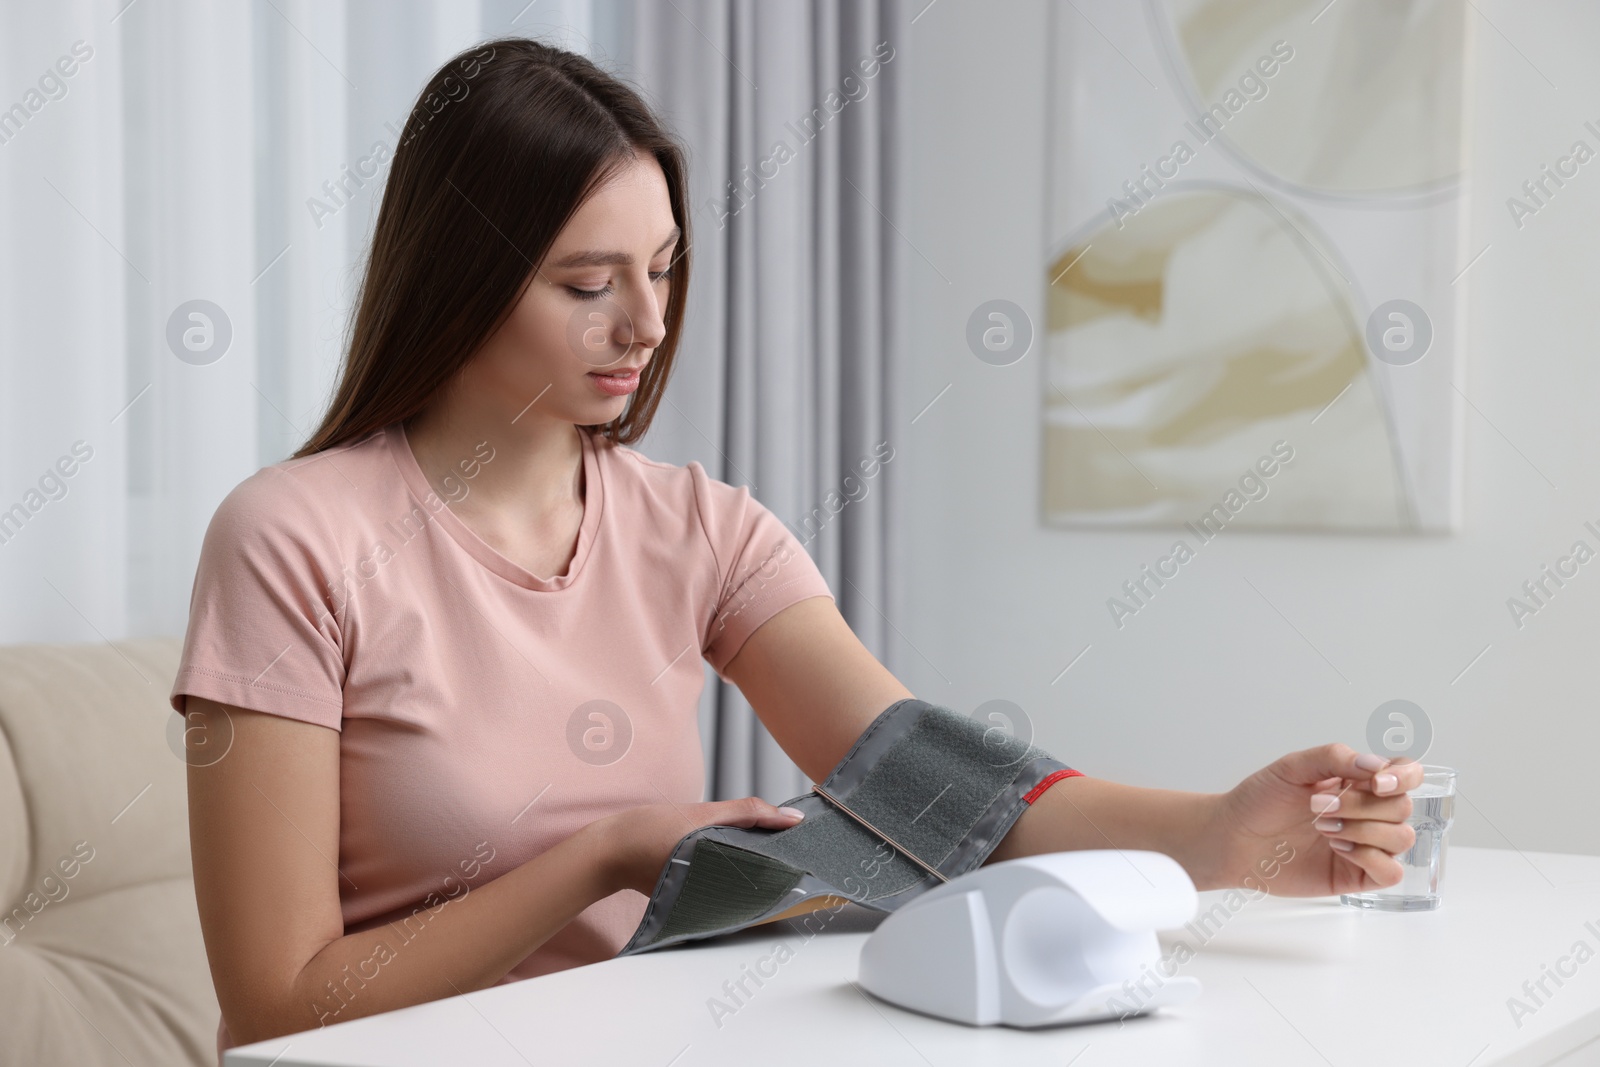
639,841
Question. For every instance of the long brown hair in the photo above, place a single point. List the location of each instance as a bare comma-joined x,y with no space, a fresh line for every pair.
506,142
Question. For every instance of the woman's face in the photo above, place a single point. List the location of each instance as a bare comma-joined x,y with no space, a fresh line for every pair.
592,317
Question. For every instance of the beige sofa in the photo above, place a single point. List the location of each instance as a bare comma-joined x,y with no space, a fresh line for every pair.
101,960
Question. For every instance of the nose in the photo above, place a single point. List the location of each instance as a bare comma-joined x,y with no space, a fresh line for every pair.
647,328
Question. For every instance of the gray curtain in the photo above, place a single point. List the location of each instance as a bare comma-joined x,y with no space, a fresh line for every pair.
790,370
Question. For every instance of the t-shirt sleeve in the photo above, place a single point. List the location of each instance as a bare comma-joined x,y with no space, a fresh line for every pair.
761,567
260,634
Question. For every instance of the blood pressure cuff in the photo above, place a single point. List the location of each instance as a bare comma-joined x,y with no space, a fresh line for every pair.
935,781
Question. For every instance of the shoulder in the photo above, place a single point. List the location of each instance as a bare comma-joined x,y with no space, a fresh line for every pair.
685,488
302,500
728,520
631,463
684,507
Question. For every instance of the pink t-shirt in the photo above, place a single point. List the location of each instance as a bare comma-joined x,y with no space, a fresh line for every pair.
485,713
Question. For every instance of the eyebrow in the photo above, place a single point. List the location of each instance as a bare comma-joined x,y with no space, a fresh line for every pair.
611,259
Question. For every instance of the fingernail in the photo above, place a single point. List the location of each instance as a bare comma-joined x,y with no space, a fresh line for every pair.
1322,803
1368,761
794,812
1385,783
1342,846
1331,826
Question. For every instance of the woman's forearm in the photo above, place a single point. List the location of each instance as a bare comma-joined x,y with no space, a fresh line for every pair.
463,944
1085,813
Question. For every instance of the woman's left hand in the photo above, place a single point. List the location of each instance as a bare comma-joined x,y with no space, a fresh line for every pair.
1342,814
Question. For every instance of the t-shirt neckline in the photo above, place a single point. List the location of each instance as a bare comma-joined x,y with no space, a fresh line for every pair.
481,550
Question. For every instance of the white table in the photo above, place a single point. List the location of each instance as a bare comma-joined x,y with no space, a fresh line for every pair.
1287,982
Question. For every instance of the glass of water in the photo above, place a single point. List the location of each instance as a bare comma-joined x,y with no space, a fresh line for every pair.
1433,806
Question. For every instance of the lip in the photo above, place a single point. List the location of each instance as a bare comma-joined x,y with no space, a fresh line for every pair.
613,383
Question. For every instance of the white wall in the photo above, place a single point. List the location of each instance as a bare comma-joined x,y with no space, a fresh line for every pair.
1210,683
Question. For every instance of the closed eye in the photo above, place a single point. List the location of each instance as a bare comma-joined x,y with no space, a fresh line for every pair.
596,294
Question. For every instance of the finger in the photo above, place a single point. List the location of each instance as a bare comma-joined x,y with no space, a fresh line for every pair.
753,811
1350,803
1407,773
1393,838
1380,869
1313,766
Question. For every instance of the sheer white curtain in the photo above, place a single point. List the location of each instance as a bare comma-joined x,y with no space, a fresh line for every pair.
65,299
176,173
156,153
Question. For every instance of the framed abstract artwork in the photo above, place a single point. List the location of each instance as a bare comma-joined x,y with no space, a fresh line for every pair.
1257,259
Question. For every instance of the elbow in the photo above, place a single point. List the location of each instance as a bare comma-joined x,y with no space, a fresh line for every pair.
261,1020
268,1002
248,1029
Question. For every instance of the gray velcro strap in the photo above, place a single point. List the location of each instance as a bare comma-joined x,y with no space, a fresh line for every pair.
937,782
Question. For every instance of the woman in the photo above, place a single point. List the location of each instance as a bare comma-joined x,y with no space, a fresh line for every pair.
446,656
